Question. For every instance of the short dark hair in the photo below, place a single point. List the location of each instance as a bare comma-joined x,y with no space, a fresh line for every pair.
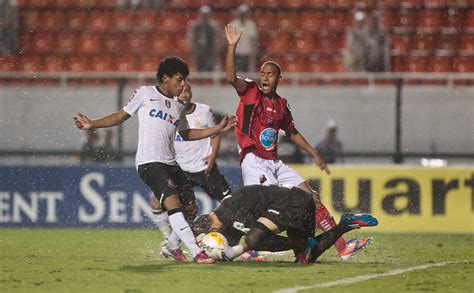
277,66
170,66
201,225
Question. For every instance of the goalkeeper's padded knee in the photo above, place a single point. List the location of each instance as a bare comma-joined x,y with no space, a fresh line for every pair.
256,235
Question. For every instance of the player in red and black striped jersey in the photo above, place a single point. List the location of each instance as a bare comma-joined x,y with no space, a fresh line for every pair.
261,114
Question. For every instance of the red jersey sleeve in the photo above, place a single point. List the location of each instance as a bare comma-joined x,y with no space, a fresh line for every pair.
251,93
288,123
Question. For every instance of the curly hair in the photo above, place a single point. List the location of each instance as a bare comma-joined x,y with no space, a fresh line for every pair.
170,66
202,225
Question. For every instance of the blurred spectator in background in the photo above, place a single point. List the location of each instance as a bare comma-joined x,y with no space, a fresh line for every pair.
357,37
91,151
246,52
330,147
378,45
205,41
8,27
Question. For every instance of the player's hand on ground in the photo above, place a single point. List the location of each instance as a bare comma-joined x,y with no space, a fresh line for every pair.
322,165
211,160
231,34
82,121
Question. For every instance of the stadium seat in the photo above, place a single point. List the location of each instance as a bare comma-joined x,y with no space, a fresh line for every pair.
318,3
310,21
329,43
391,3
148,64
123,20
66,43
440,64
447,42
452,20
264,20
293,63
43,42
466,45
469,25
400,44
89,43
294,3
224,4
145,20
429,21
107,3
318,64
53,20
54,63
388,17
125,63
398,64
98,21
416,64
286,20
436,3
268,3
161,44
78,63
102,63
423,42
76,20
30,63
137,43
405,21
170,22
303,42
341,4
278,41
87,3
179,3
336,21
416,4
63,3
8,63
222,18
113,43
463,64
30,20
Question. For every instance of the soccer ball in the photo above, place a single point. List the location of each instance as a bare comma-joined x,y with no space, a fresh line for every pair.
213,244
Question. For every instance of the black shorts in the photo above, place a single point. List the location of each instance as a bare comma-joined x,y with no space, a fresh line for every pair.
165,180
214,183
296,216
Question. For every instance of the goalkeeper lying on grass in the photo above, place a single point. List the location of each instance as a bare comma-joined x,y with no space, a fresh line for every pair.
261,212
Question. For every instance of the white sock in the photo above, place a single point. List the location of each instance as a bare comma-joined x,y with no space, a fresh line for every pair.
161,221
184,232
173,241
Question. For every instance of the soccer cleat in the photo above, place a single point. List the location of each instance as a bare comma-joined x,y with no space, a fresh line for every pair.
203,258
252,255
358,220
353,246
177,254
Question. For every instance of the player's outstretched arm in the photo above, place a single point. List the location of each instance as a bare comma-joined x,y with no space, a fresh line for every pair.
116,118
232,40
195,134
302,143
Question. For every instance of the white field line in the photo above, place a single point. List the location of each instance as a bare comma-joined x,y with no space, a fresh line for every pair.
362,278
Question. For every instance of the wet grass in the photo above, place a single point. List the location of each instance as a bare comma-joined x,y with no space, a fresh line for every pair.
94,260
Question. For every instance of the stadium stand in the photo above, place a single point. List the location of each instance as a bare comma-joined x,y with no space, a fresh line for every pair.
309,35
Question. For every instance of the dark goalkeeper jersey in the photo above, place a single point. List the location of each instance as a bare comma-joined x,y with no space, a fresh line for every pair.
287,208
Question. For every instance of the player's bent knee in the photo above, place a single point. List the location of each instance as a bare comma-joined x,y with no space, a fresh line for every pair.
256,235
190,211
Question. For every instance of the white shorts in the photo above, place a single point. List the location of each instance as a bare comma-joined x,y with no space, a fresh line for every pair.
258,171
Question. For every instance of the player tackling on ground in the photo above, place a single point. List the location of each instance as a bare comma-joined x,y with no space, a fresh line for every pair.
197,159
261,114
261,212
159,114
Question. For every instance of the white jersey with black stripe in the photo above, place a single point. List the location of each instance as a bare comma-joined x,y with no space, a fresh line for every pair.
158,118
191,155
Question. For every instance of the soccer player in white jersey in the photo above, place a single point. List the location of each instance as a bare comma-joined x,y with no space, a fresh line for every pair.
159,114
197,159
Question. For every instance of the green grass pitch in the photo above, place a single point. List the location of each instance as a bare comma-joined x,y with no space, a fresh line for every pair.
107,260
